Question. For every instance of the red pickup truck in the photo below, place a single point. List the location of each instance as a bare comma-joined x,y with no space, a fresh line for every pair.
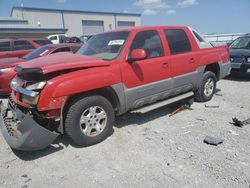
114,72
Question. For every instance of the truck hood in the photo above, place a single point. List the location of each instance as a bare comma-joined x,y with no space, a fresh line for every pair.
10,62
240,52
63,61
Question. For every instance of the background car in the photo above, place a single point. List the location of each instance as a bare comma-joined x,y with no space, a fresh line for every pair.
85,38
57,39
20,47
7,65
240,54
74,40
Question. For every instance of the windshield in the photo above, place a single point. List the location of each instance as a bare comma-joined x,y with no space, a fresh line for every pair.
106,46
37,53
241,43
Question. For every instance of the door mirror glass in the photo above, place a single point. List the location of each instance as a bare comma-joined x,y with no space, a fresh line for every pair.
137,54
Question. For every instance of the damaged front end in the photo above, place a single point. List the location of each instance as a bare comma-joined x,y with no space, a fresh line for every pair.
19,122
21,131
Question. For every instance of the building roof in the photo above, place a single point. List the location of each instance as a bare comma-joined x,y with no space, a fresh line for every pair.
71,11
12,20
34,30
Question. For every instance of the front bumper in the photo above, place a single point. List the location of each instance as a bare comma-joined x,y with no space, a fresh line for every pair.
240,67
225,69
22,132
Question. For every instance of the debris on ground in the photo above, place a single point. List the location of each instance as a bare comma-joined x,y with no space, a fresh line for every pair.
28,180
212,106
180,109
200,119
233,133
203,120
186,132
238,123
213,141
24,176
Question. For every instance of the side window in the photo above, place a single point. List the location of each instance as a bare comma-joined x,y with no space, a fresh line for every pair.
29,46
178,41
22,45
148,41
53,38
64,49
62,39
4,46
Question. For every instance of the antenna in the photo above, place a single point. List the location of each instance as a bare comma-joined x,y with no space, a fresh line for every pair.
22,9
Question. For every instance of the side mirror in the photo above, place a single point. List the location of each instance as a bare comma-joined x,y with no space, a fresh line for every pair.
137,54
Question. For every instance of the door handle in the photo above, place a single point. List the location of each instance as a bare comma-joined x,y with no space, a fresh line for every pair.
165,65
192,60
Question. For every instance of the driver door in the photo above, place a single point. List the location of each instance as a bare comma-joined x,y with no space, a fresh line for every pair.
146,80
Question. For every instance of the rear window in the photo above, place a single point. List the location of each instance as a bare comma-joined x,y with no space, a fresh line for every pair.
4,46
37,53
178,41
22,45
43,42
53,38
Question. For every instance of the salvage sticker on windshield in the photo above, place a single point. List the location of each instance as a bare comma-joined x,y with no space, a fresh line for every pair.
116,42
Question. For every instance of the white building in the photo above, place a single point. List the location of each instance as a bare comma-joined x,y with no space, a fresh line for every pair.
40,22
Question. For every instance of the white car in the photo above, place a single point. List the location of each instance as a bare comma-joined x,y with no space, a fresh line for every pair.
57,39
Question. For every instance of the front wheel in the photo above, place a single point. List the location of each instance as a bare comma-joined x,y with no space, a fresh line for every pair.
89,120
207,87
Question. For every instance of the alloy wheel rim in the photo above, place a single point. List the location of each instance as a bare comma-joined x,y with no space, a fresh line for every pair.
93,121
209,87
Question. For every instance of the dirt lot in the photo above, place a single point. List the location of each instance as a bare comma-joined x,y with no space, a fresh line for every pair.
148,150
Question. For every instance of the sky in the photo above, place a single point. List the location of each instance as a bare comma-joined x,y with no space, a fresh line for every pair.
206,16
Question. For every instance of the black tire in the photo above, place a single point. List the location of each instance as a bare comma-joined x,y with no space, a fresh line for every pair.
200,95
73,127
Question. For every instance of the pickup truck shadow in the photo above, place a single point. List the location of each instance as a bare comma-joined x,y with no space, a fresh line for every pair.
238,77
59,144
130,118
137,118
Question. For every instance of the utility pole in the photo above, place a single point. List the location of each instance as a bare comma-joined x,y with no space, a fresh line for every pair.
22,9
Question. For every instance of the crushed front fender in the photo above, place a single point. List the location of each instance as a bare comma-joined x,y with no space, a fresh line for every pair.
22,132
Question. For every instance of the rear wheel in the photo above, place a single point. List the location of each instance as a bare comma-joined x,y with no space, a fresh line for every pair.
89,120
207,87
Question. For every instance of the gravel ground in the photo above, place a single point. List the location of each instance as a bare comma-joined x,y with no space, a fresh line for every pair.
148,150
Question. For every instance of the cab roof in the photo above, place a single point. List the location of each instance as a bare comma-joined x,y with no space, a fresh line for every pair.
139,28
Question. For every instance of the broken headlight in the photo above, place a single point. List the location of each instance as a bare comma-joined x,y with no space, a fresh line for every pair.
36,86
4,70
32,100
